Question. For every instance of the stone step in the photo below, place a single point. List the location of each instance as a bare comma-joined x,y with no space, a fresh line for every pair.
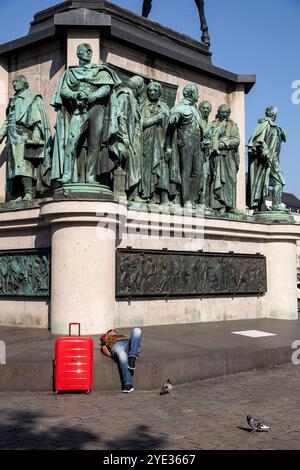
183,353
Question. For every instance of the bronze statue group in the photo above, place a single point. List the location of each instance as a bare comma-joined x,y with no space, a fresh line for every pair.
165,156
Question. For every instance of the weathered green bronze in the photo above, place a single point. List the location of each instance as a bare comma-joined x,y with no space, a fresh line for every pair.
28,149
225,161
155,119
85,147
130,100
25,273
205,108
264,170
153,273
183,143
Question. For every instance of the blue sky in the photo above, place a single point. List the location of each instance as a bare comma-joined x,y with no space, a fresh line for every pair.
248,36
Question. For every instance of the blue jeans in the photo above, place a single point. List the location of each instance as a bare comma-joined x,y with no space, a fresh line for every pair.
124,349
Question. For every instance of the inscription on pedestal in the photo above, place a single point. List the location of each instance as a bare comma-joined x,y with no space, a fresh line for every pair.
155,273
25,273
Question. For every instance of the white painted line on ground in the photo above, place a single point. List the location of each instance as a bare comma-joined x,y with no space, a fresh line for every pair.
253,333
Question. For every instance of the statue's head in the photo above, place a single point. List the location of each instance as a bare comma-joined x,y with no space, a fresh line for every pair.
271,112
191,92
224,112
85,52
137,84
205,108
154,91
20,83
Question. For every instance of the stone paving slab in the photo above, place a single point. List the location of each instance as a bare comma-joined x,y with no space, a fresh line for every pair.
210,414
185,353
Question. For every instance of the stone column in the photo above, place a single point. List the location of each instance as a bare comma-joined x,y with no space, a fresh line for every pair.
237,103
79,36
282,279
83,264
3,106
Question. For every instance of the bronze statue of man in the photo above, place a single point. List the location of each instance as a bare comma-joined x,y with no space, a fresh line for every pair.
264,150
87,111
155,119
147,5
29,142
205,108
225,161
184,137
131,135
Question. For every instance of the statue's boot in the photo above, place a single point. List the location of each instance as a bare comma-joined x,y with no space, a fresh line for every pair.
28,188
277,198
28,197
65,179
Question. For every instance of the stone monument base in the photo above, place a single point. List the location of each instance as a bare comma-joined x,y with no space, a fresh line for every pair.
277,217
86,190
85,241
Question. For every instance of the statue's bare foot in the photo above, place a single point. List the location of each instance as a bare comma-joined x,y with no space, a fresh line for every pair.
18,199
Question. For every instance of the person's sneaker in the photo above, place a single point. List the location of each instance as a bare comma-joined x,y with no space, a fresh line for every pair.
127,389
131,363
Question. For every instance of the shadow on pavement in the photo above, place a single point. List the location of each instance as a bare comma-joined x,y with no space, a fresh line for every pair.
26,430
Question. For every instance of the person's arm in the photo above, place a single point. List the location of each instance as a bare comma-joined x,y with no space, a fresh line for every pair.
106,351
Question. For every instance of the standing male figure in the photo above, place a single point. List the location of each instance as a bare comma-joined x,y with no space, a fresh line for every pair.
28,134
205,108
185,128
125,352
264,151
131,135
225,161
87,93
155,119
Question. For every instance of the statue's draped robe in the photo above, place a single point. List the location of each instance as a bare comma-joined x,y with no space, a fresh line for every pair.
264,151
26,113
155,166
131,129
76,79
224,164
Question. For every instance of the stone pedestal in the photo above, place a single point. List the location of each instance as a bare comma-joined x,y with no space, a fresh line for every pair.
84,235
83,265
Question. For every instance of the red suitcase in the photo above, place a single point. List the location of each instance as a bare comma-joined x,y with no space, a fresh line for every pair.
74,360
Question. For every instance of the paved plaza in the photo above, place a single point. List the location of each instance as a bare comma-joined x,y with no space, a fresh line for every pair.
209,414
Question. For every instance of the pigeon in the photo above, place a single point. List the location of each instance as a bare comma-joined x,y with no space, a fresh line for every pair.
166,388
67,194
256,424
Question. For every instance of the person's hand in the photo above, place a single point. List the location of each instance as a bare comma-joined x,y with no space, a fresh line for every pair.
36,139
90,98
173,120
169,153
221,146
283,136
81,96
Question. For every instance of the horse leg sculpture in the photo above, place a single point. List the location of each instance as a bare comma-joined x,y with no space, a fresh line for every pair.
204,27
147,5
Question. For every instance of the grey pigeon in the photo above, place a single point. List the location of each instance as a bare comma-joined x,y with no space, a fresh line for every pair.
256,424
166,388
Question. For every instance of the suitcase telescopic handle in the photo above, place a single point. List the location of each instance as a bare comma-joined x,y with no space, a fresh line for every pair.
72,324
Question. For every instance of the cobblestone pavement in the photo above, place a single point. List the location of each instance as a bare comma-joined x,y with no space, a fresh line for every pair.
204,415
